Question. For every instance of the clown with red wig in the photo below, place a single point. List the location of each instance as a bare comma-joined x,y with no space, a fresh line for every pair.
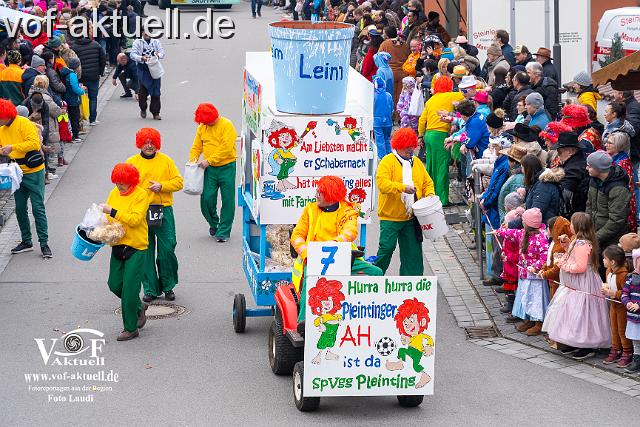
584,122
216,141
435,131
20,141
159,176
330,218
401,180
127,204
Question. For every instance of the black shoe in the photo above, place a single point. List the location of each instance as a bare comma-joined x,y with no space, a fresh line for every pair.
491,282
22,247
221,239
259,14
635,365
300,328
169,295
513,319
583,353
148,298
143,114
510,298
126,95
254,15
568,349
212,231
46,252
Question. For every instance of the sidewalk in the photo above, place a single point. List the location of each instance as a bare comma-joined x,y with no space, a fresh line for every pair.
477,309
9,231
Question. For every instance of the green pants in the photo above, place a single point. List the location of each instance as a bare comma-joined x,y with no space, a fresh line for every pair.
124,281
414,354
359,266
32,187
223,179
328,337
165,277
403,234
438,159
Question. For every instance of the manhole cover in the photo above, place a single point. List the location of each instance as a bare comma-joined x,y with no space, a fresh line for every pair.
162,310
475,332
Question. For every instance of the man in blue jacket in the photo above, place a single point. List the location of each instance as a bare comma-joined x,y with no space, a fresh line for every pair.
382,111
127,73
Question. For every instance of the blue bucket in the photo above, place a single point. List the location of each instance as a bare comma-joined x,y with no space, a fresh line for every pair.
82,247
311,65
5,183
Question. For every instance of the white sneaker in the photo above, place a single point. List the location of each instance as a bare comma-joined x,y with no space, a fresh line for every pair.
77,140
94,123
52,176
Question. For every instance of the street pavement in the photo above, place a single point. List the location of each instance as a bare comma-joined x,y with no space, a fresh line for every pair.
194,370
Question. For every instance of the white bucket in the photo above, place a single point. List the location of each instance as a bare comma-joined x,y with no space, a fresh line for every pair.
431,217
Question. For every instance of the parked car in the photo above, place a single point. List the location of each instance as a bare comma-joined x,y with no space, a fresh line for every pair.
624,21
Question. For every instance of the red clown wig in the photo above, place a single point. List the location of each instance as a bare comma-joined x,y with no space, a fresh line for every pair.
553,129
443,84
125,173
332,189
408,308
206,114
323,291
404,138
148,134
7,110
576,116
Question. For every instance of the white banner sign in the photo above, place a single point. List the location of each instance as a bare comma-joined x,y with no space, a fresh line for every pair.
370,336
329,259
283,203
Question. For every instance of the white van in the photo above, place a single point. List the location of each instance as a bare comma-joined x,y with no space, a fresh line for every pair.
624,21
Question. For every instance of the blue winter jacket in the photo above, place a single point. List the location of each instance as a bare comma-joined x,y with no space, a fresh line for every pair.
491,195
540,119
477,132
381,59
74,91
382,104
544,194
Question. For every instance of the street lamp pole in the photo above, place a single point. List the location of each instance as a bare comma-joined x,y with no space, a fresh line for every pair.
557,53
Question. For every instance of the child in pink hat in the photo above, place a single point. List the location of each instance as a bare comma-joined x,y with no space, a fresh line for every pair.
532,294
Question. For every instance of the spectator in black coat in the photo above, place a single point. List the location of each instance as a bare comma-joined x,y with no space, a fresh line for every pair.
93,60
575,183
521,88
546,87
469,48
543,57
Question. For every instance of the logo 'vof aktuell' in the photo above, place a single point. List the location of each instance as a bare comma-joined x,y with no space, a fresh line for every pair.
74,351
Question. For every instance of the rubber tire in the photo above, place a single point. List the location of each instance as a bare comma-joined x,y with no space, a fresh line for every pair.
304,404
163,4
410,401
152,2
222,6
239,313
282,354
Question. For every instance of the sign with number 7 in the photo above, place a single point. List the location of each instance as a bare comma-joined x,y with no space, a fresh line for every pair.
329,259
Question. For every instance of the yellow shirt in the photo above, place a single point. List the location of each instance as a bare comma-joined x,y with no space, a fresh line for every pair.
429,119
161,168
217,142
131,212
21,134
326,317
390,187
417,342
316,225
590,98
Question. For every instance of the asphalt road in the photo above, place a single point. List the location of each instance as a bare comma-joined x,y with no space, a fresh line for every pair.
194,370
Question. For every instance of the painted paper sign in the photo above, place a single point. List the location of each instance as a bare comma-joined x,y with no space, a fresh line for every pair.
252,103
285,205
329,259
370,336
256,170
315,147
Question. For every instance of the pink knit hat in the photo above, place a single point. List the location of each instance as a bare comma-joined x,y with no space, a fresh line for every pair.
532,218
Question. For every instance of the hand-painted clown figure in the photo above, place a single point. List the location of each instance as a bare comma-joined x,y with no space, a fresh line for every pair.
401,179
330,218
325,300
216,141
128,204
160,177
412,320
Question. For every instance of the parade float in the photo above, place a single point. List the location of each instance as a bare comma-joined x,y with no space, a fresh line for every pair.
307,114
